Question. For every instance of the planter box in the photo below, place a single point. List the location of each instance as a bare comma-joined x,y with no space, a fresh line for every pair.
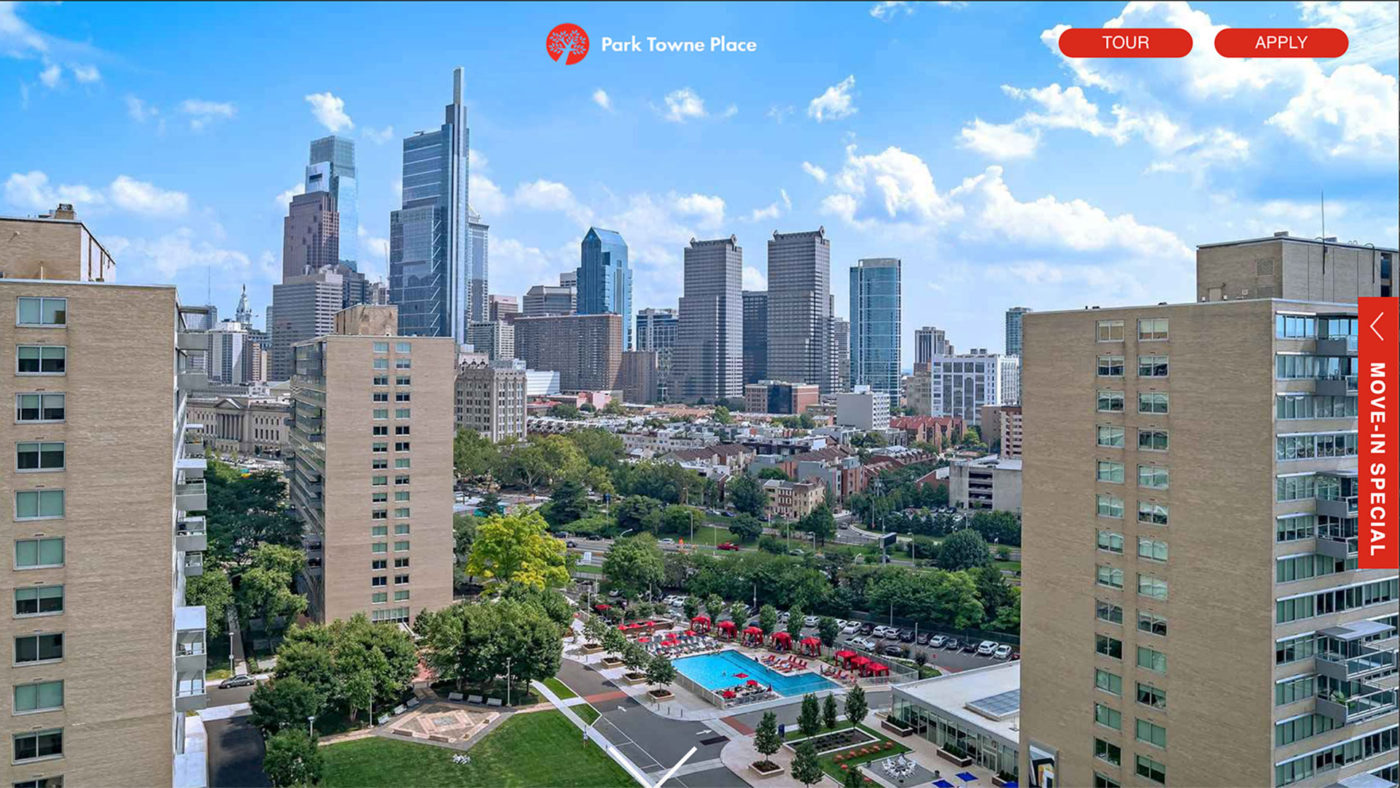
956,761
634,679
777,769
660,695
610,663
591,648
897,728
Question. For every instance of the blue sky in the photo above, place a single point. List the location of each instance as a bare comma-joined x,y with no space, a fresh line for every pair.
951,135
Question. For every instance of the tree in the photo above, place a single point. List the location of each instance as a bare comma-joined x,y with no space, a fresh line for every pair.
292,758
794,622
714,606
920,658
634,656
245,511
809,719
691,608
214,591
765,737
638,513
853,779
774,472
351,663
614,408
490,504
819,522
739,612
634,564
474,455
564,410
827,630
283,703
471,642
678,520
614,641
767,619
829,712
595,628
964,550
747,495
518,548
856,706
745,527
805,767
568,503
660,671
721,415
463,534
265,589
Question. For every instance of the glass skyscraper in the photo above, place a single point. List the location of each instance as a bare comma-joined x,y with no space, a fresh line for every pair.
875,324
1013,329
604,280
478,288
429,240
332,169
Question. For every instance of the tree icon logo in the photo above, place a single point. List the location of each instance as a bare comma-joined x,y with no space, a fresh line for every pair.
568,42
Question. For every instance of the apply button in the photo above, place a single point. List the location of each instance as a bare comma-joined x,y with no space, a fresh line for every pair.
1125,42
1281,42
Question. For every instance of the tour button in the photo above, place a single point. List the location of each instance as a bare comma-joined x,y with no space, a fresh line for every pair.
1125,42
1281,42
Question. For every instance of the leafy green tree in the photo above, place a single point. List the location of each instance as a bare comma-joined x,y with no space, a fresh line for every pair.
614,641
292,757
714,606
853,779
721,414
827,630
245,511
739,612
471,642
595,628
214,591
820,523
490,504
920,658
746,495
794,622
691,607
809,719
829,712
564,410
638,513
568,503
745,527
856,706
284,703
767,619
964,550
265,588
660,671
634,656
599,447
349,662
634,564
474,455
463,534
774,472
614,408
678,520
518,548
805,767
765,737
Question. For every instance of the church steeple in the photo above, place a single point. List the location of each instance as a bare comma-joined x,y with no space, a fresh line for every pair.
243,313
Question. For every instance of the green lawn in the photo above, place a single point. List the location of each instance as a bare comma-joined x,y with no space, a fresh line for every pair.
559,688
1014,566
588,569
511,755
832,767
586,713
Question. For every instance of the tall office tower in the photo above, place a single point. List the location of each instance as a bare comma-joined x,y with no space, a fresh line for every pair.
709,355
929,342
657,330
229,360
586,350
503,308
961,385
569,279
799,308
638,376
371,468
495,338
876,314
1298,269
310,234
542,300
1193,612
429,237
755,335
103,657
331,169
605,279
841,342
1014,334
491,401
303,307
478,298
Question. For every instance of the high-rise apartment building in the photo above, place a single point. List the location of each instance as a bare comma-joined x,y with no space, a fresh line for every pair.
303,307
605,278
961,385
103,657
586,350
800,332
503,308
545,300
863,409
491,400
1297,269
371,468
876,324
709,360
755,335
1192,612
494,338
929,342
841,352
429,236
638,376
230,358
1014,334
656,332
331,169
478,288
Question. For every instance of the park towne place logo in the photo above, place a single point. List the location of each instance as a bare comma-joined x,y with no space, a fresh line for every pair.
567,42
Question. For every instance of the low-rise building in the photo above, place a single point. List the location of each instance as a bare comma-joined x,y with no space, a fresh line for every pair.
731,456
491,400
792,501
977,712
986,483
242,425
780,397
863,409
928,429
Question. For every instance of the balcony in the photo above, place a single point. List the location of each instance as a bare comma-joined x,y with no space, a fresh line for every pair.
1335,387
1337,507
1347,710
192,467
194,564
193,380
190,632
1336,346
1336,547
190,535
189,691
191,496
192,341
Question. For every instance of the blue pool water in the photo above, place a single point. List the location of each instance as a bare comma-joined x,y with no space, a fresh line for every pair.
716,672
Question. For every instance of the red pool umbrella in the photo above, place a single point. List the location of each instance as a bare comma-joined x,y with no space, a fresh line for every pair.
727,694
741,675
600,607
752,683
643,640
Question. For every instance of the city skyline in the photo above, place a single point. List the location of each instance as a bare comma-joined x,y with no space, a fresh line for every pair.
990,197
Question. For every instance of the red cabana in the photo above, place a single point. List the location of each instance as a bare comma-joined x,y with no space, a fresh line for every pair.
858,663
782,641
812,646
726,628
876,668
701,622
753,635
844,655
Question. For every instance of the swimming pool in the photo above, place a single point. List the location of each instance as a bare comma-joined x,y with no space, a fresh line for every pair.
716,672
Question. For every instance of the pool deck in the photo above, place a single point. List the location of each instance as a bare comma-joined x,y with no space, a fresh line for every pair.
782,678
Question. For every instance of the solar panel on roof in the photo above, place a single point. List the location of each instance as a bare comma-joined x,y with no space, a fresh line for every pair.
997,706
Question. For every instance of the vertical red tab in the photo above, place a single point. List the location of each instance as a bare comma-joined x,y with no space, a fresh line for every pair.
1378,348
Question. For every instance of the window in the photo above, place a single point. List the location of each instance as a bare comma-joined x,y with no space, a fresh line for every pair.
41,782
1152,329
401,446
379,396
403,462
379,547
1292,690
39,407
38,553
381,413
400,529
1153,587
400,546
1151,659
403,363
1106,751
1152,440
1109,331
1109,718
401,429
1152,624
1154,477
378,564
403,380
401,596
33,745
1290,407
380,580
1303,727
1111,472
403,347
378,464
1312,445
38,504
42,312
381,347
1294,649
1110,366
1107,611
1109,506
1152,549
39,601
403,413
1100,781
34,456
44,696
1295,326
379,497
38,648
1111,437
379,481
381,364
401,479
381,380
1149,695
1152,402
381,429
379,447
1152,366
41,360
1110,542
1153,513
1151,733
400,563
400,580
1110,401
379,514
402,396
1108,682
1110,577
379,597
379,530
1152,770
401,495
1109,647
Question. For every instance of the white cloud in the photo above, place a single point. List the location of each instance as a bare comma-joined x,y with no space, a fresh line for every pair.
814,171
1348,114
708,209
602,99
51,75
891,185
684,104
377,136
285,198
779,113
329,111
486,197
834,103
543,195
162,259
202,113
17,38
999,141
32,191
138,110
86,74
787,201
147,199
889,9
772,210
730,111
753,280
1372,27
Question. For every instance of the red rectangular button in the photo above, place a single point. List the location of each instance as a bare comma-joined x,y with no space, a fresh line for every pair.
1281,42
1125,42
1378,540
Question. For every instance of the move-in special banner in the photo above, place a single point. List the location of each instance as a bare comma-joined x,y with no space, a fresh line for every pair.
1378,461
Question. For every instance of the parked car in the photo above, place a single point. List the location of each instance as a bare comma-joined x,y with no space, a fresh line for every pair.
561,534
241,680
797,551
784,616
863,643
986,649
867,628
937,641
893,651
728,546
969,647
922,639
906,636
1003,652
809,621
850,628
952,644
668,540
1015,655
878,632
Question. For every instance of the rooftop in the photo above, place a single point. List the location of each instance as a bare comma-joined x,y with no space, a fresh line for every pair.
988,698
1285,236
994,461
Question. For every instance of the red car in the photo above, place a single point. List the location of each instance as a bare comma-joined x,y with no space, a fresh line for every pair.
728,546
